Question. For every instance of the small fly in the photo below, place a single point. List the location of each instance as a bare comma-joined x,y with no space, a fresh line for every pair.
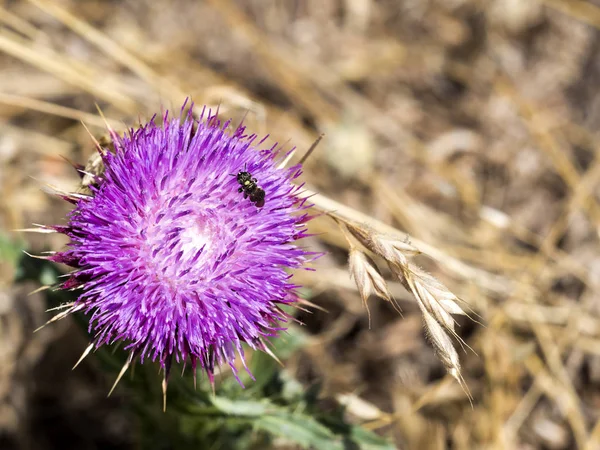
249,187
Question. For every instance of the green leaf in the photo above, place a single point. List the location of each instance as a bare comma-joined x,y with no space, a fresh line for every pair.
367,440
246,408
289,342
48,275
291,388
307,432
11,250
301,429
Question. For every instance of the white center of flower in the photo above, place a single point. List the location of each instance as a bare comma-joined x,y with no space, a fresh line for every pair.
194,238
186,243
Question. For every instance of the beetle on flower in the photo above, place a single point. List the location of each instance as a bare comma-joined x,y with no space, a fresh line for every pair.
170,259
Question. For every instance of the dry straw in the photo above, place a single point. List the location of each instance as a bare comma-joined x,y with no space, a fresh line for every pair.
436,302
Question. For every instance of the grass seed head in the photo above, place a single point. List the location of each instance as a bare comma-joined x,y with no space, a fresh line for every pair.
392,249
367,277
436,302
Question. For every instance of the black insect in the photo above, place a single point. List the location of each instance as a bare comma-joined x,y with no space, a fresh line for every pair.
249,187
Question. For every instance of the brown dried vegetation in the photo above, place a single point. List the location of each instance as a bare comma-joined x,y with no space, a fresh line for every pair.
469,126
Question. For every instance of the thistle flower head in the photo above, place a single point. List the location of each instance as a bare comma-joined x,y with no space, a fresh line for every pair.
172,255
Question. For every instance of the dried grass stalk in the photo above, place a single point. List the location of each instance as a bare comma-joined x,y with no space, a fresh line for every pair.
436,302
367,277
437,305
395,251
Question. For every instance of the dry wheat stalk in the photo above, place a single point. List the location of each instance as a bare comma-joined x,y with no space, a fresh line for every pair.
367,277
436,302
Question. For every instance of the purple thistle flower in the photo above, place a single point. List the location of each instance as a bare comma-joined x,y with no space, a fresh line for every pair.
171,258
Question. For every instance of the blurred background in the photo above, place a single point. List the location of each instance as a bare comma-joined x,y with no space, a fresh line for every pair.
470,125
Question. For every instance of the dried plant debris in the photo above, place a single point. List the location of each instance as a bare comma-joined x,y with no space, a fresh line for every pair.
436,302
367,277
395,251
454,108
